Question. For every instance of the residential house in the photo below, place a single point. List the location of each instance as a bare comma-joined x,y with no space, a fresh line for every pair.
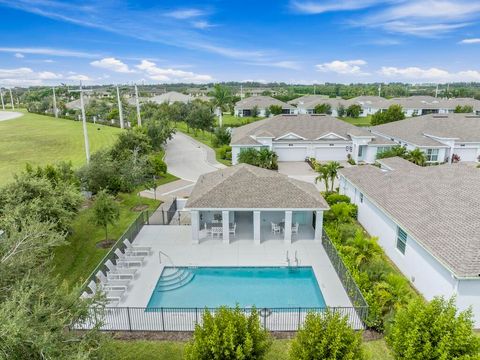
250,203
262,104
439,136
296,137
426,220
307,104
171,97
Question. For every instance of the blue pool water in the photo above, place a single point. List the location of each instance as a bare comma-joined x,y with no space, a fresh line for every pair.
245,286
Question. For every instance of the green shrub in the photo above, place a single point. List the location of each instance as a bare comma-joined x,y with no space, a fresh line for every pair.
222,137
341,212
275,109
323,109
229,334
263,158
159,166
327,336
434,330
335,198
225,152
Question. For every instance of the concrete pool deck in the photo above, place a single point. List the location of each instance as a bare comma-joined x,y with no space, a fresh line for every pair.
175,241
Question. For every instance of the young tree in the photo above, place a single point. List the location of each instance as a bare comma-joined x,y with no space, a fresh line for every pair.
332,168
200,117
324,175
275,109
222,96
229,335
105,211
222,137
417,157
327,336
354,111
159,132
433,331
254,111
466,109
323,109
341,111
396,150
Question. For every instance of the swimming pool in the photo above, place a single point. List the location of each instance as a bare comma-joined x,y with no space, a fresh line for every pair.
272,287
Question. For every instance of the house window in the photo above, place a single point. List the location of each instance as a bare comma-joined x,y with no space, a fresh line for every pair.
360,151
361,198
432,155
401,240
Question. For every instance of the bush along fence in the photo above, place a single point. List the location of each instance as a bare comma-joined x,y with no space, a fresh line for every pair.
129,235
185,319
349,284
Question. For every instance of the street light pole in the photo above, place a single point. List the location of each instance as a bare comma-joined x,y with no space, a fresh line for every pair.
55,103
120,113
84,122
139,119
11,99
1,97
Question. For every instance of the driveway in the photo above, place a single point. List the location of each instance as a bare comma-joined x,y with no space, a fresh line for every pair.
188,158
9,115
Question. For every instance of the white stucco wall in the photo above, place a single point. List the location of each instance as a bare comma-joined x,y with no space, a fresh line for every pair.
426,273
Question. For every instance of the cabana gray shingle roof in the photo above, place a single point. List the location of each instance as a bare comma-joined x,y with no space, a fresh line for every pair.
438,206
261,102
249,187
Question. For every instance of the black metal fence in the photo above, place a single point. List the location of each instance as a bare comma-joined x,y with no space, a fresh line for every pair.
349,284
168,217
185,319
129,234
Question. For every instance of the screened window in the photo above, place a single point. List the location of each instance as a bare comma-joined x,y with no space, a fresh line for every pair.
432,155
401,240
382,149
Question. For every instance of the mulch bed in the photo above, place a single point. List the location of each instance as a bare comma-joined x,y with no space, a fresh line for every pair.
105,244
139,208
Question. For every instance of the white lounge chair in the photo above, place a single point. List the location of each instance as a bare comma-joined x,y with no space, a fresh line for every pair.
112,284
128,261
295,229
114,295
114,272
136,250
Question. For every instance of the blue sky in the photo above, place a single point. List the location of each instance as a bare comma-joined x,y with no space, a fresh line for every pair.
296,41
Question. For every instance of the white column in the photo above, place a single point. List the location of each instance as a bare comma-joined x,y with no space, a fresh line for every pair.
195,219
256,228
288,227
226,226
318,225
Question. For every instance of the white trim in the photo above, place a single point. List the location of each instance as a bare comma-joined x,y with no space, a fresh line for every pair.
290,133
332,133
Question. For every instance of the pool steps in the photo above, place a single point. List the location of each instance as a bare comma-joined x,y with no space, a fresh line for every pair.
173,280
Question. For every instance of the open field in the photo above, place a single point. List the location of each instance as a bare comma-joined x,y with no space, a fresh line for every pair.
41,140
360,121
230,120
173,350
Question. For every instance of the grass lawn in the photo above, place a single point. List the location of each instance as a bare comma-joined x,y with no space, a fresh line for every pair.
41,140
74,261
204,137
173,350
231,120
360,121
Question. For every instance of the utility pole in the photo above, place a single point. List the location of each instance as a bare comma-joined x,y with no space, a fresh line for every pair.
84,121
1,96
120,113
314,89
139,119
55,110
241,91
11,99
436,91
379,89
448,89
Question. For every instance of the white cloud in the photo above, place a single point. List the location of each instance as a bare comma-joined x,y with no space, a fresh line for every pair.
348,67
202,24
285,64
26,76
470,41
431,74
317,7
19,55
48,51
111,64
170,75
425,18
185,13
79,77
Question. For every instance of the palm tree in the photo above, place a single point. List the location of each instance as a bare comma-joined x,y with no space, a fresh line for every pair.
333,167
267,159
417,157
221,97
324,174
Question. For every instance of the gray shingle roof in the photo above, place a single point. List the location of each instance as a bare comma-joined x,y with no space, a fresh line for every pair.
463,127
439,206
261,102
171,97
310,127
248,187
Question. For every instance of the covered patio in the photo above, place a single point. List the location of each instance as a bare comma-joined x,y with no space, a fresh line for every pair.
248,203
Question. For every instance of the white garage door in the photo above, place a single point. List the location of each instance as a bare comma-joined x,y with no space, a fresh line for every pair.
466,154
291,153
331,153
